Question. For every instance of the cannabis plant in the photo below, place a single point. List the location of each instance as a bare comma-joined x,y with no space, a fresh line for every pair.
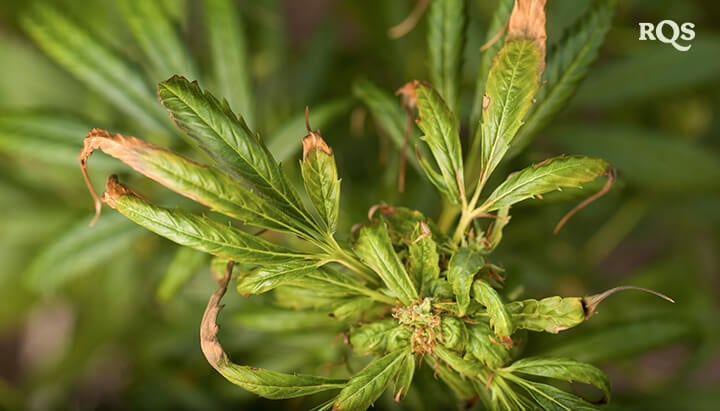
404,292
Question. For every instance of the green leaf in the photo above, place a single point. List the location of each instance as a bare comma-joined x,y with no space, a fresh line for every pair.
366,386
511,85
321,180
459,385
446,26
79,250
374,248
441,135
155,32
467,367
49,138
206,185
229,56
550,175
184,264
388,114
423,258
621,340
331,283
642,82
274,319
463,266
568,63
403,379
265,383
554,399
284,142
215,129
562,369
354,309
495,33
267,277
480,345
552,314
500,320
371,338
202,233
648,159
93,63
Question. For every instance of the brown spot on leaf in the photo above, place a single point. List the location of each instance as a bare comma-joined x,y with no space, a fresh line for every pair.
486,102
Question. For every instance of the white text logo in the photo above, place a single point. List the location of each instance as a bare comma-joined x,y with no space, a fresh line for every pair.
660,31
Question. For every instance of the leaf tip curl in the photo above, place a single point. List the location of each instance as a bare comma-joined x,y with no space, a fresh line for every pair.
209,328
590,303
313,141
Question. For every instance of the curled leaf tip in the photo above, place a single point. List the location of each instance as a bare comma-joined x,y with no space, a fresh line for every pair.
88,148
209,343
608,185
590,303
407,93
410,21
313,140
114,190
307,119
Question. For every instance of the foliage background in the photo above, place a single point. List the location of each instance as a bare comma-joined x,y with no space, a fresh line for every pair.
84,326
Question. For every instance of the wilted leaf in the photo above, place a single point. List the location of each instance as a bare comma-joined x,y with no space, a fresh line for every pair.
265,383
552,314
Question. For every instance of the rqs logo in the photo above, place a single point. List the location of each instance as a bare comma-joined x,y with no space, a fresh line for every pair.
686,32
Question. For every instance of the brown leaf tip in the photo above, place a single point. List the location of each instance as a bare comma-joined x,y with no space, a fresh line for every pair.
313,140
407,94
115,190
527,21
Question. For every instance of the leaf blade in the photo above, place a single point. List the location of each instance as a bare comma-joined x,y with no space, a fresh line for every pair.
376,251
567,65
440,127
229,56
463,266
550,175
445,39
564,369
152,27
367,386
94,64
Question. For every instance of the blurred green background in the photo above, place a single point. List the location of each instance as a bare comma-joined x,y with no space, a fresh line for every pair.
107,318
